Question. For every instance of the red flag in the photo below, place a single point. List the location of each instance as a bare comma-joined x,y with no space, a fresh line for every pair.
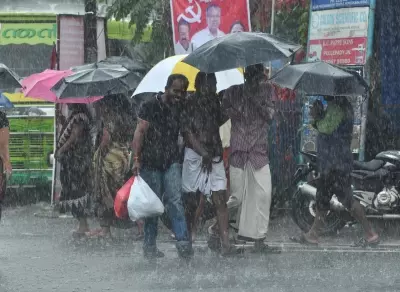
53,58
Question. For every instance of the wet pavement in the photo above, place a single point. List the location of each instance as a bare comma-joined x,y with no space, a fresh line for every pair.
37,254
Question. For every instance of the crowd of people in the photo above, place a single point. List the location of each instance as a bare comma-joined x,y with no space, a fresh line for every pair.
233,177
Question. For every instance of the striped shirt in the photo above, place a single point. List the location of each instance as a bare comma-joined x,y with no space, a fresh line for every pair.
250,113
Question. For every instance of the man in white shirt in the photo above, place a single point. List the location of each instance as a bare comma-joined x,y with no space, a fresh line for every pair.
212,31
183,46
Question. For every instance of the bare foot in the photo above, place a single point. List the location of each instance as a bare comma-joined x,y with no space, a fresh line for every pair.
81,230
102,233
372,238
93,232
310,238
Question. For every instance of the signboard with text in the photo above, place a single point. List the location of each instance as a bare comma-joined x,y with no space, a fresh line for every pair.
28,33
195,22
334,4
339,36
71,48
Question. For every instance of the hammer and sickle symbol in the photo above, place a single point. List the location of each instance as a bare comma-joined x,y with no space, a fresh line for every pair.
196,17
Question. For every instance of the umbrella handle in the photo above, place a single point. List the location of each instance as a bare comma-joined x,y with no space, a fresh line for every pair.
293,57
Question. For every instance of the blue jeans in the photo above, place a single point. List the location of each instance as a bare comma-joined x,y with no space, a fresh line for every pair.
169,184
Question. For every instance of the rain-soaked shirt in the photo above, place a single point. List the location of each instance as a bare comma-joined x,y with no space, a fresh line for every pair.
160,145
250,115
202,116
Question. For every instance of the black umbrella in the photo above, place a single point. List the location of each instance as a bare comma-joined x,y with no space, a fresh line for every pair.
128,63
239,50
98,79
9,80
321,78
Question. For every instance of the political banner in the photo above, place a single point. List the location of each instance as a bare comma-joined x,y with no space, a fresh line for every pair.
195,22
339,36
334,4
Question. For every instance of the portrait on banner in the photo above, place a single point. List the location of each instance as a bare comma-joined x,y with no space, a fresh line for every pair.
196,22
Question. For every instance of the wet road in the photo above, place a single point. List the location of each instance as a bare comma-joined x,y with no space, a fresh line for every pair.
36,254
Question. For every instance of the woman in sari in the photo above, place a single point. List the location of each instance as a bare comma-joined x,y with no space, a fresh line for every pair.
111,160
74,152
5,165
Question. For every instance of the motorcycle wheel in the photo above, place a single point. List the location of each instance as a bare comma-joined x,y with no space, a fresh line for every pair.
303,214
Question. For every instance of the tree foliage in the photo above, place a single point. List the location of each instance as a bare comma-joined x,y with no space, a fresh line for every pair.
291,18
143,13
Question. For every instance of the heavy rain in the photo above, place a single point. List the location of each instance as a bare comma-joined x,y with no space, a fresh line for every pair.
193,145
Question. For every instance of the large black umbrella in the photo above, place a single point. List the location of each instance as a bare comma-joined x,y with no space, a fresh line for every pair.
98,79
239,50
321,78
128,63
9,80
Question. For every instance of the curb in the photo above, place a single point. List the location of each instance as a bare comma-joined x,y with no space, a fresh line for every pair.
202,246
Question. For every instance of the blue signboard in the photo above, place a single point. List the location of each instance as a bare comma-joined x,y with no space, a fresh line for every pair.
334,4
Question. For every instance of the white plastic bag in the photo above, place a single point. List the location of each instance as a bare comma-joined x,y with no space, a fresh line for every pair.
143,202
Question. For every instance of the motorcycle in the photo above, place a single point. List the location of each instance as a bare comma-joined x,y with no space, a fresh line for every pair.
375,185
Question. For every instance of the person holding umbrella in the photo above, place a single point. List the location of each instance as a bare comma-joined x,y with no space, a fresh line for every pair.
335,162
251,110
157,161
5,164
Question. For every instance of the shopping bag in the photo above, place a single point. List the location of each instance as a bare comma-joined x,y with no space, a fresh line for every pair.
143,202
121,199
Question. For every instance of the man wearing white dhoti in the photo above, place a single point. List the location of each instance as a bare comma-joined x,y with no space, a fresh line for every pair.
203,167
251,109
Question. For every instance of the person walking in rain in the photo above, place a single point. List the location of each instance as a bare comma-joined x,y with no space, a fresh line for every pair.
334,164
74,153
203,166
157,158
5,164
111,161
251,110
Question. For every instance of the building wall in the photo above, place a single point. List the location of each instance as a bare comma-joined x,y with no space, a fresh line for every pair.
48,6
388,20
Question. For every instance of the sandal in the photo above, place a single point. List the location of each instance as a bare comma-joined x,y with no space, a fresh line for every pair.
302,240
93,232
138,237
365,243
98,235
213,241
232,251
78,234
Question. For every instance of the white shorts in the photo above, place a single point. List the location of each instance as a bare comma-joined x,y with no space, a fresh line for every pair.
195,179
